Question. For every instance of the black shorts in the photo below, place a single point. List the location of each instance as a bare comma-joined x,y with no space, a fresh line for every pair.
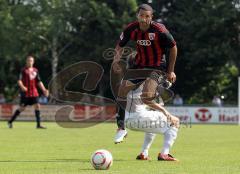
136,81
24,101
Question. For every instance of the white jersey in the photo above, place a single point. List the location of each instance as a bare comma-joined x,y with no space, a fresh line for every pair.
138,117
134,102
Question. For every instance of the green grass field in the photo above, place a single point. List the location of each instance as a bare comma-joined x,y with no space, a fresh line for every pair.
210,149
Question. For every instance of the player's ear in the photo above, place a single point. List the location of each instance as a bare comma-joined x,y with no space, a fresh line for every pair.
137,13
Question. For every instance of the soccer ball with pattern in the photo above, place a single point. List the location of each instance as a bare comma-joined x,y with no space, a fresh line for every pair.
101,159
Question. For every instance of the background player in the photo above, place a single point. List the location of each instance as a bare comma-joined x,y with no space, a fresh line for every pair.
29,81
152,40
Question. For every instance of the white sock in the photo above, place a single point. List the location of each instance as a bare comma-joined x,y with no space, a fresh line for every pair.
148,139
169,137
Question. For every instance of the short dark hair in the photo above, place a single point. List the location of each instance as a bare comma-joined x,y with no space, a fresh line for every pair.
30,56
145,7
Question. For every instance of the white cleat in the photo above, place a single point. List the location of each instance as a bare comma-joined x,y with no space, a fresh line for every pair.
120,135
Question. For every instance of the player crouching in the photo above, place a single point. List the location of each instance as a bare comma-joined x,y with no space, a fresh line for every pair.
152,122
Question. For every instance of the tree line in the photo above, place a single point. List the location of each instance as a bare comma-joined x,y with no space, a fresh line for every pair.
60,33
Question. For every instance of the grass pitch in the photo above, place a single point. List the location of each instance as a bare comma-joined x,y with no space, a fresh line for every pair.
201,149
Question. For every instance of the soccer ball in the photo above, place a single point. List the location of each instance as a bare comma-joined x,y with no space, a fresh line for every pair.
101,159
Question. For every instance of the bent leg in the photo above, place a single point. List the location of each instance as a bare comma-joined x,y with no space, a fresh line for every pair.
17,113
169,139
148,140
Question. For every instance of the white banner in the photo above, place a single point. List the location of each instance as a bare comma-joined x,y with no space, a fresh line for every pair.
48,112
187,114
226,115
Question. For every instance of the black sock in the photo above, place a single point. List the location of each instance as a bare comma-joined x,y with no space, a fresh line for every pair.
16,113
38,119
120,118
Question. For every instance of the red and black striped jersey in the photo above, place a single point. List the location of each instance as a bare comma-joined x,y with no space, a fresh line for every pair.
150,44
30,78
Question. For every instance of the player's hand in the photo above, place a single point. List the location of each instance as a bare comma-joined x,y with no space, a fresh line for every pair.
171,77
174,121
24,89
116,67
46,93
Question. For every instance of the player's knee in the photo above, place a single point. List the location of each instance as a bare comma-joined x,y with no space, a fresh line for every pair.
37,106
171,135
21,109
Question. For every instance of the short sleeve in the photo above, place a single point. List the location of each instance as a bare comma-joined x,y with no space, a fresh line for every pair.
166,40
38,77
126,34
124,38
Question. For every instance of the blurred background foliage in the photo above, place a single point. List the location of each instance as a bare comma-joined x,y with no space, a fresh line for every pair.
60,33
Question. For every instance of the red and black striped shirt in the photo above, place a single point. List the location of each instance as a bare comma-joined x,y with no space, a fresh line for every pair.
150,44
30,78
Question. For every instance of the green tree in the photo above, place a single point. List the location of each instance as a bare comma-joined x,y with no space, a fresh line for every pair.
15,24
207,36
58,33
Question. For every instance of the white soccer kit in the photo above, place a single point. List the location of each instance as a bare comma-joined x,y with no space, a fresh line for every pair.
138,117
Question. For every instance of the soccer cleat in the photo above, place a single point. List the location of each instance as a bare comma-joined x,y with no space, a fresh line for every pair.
10,126
142,157
166,157
120,135
41,127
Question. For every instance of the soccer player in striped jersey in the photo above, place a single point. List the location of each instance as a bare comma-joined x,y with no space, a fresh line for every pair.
29,80
152,40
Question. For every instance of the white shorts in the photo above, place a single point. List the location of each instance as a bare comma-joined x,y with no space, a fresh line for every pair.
147,121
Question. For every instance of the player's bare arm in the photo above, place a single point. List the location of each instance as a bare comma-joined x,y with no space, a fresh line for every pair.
117,57
172,59
21,85
44,90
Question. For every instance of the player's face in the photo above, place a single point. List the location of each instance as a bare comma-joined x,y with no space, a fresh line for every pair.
144,18
30,62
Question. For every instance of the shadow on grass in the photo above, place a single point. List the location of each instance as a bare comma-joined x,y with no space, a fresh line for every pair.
46,161
57,161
